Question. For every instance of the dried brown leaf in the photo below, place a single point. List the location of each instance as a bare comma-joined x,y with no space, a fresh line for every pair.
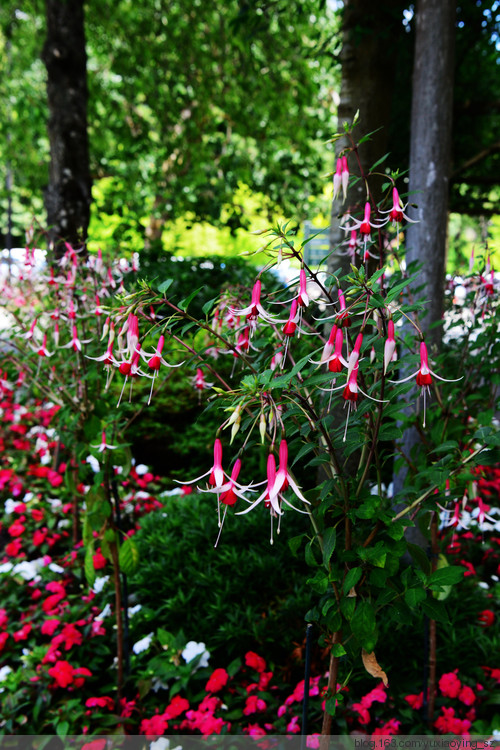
373,667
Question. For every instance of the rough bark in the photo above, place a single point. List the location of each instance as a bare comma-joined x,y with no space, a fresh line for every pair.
430,150
369,60
430,169
68,195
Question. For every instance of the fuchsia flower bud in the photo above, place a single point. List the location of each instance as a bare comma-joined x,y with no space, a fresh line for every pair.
337,179
354,355
303,297
291,325
345,176
390,345
365,227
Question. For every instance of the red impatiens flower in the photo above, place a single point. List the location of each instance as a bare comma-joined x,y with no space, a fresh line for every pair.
415,701
23,633
486,618
450,685
63,673
155,726
254,705
254,661
176,707
217,681
100,702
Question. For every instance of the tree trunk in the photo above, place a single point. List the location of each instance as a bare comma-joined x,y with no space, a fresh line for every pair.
430,168
430,150
369,59
68,195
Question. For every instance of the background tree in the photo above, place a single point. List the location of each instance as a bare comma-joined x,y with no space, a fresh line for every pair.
68,195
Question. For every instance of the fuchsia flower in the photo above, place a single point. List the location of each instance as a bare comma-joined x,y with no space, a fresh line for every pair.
332,351
396,213
155,361
199,381
423,375
216,473
365,225
254,309
42,350
291,325
352,362
103,445
277,484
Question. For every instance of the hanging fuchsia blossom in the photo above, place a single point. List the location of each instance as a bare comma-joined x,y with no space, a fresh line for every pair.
216,473
396,213
155,361
254,309
42,350
332,351
423,375
291,325
103,445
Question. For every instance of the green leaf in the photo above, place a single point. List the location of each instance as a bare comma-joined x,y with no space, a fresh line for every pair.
319,582
185,302
352,578
435,610
294,543
329,541
449,445
62,728
338,649
331,705
413,597
363,621
128,557
164,285
88,565
446,576
419,556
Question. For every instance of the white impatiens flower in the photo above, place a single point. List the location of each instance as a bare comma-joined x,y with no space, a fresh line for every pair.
143,644
99,584
194,649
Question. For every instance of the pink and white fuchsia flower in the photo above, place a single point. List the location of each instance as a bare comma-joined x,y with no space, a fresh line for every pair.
277,483
254,309
424,374
103,445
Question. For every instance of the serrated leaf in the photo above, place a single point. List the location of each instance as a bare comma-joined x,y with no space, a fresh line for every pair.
128,557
